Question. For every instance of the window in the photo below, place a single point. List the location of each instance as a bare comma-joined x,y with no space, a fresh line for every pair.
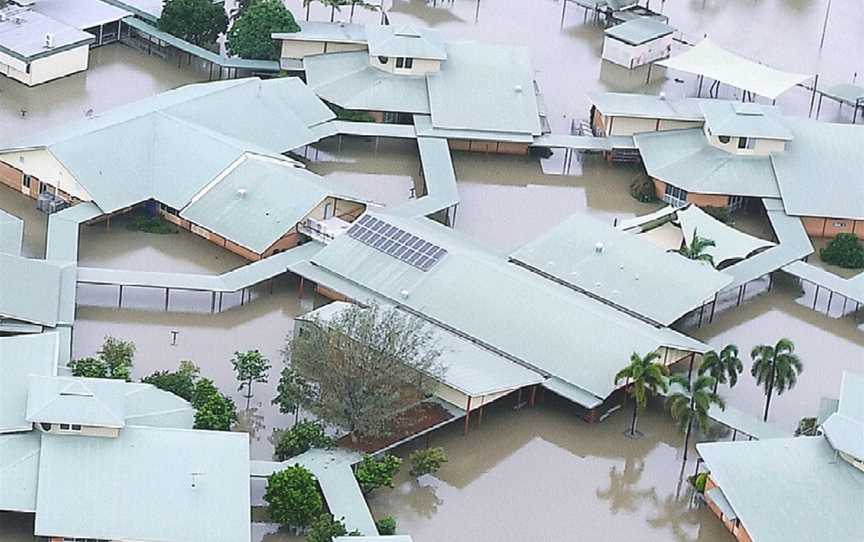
724,139
64,426
75,427
736,202
409,63
383,60
43,187
25,181
675,196
746,143
400,62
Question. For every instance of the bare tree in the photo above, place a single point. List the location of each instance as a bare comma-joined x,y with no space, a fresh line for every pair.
365,366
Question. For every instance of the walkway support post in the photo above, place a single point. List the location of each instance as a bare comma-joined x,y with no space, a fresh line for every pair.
467,417
120,298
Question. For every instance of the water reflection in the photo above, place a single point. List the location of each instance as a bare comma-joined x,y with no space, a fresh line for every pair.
622,493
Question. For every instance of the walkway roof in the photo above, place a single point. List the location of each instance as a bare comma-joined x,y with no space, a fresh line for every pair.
731,244
259,199
734,119
405,41
470,368
320,31
43,304
484,87
150,10
789,489
845,93
821,172
628,272
639,31
25,41
710,60
21,356
845,428
745,423
11,234
131,487
506,308
347,80
685,158
19,471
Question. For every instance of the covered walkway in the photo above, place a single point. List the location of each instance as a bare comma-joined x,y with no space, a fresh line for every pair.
440,181
744,424
240,279
851,289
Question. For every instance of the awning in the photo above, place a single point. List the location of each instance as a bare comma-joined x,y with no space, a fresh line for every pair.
731,244
712,61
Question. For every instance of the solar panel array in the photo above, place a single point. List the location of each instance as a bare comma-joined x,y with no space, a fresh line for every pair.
396,242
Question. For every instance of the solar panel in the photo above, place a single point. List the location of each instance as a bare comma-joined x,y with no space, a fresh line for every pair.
396,242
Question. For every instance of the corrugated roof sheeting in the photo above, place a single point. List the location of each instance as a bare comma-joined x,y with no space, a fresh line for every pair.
20,300
626,271
621,104
788,489
84,401
324,31
11,234
709,59
639,31
63,231
845,428
21,356
734,119
405,41
19,470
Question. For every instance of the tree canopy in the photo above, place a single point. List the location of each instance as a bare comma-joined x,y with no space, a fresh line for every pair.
646,377
113,360
301,438
691,402
213,410
180,382
366,365
292,497
250,367
250,35
775,368
845,250
196,21
292,392
372,473
723,367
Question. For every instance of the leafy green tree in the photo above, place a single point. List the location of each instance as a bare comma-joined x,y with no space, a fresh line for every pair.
776,368
250,35
723,367
292,497
845,250
365,366
250,367
301,438
180,382
386,526
213,410
697,249
113,360
427,460
645,378
292,392
196,21
692,403
326,528
372,473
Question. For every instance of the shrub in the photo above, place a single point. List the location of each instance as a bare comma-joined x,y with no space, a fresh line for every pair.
151,224
292,497
373,473
844,250
300,438
386,526
113,360
642,189
427,461
699,481
807,428
180,382
196,21
213,410
325,528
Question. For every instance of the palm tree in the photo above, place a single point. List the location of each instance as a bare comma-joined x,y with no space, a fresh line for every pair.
776,368
692,404
696,249
723,367
336,5
645,377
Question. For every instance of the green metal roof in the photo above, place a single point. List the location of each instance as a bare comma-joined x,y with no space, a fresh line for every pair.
638,31
845,428
486,88
85,401
736,119
625,271
21,356
147,405
80,13
619,104
439,178
470,368
424,128
789,489
170,485
501,306
259,200
20,300
63,230
716,496
150,10
156,159
745,423
19,470
405,41
347,80
321,31
11,233
730,244
820,172
25,40
846,93
685,158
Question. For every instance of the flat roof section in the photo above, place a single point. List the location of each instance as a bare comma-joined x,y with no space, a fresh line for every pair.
20,357
639,31
24,36
648,106
620,268
19,470
405,41
80,13
319,31
736,119
30,290
486,88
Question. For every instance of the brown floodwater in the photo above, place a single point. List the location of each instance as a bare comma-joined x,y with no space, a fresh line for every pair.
35,222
